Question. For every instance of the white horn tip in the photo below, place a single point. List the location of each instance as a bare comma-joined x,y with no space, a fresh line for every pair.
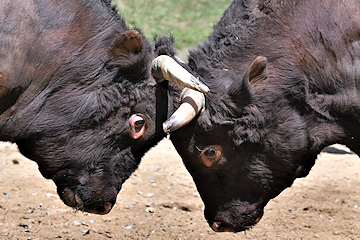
205,89
173,124
196,84
166,128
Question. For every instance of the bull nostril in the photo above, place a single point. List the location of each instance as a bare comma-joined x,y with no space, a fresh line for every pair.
108,207
105,208
221,227
215,226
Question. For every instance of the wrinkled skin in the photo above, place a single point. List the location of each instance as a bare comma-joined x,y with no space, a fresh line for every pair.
284,79
77,95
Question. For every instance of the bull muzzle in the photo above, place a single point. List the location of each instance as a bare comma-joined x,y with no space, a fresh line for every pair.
192,102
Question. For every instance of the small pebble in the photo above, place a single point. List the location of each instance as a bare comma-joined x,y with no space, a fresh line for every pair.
149,195
128,227
150,210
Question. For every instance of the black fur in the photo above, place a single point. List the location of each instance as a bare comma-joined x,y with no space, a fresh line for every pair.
271,130
66,102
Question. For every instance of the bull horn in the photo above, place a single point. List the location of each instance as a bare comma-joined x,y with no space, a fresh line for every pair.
192,103
165,68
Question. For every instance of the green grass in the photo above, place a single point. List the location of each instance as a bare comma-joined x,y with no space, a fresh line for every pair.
189,21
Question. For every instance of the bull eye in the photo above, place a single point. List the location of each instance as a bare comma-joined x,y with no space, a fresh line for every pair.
137,125
211,154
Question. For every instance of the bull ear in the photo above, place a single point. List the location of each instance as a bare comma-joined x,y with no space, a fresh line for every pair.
258,70
243,88
130,42
128,53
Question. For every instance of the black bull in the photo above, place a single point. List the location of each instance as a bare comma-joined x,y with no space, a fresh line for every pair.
77,95
284,79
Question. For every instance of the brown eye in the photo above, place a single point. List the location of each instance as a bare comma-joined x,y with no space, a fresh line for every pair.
211,154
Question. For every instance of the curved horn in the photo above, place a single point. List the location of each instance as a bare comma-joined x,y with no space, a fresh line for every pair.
165,68
192,103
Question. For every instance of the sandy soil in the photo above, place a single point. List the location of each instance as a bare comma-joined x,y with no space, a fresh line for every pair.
160,201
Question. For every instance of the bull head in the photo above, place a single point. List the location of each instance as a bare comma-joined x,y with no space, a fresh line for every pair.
192,102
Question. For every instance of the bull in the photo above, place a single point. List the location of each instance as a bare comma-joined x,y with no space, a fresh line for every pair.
285,80
77,95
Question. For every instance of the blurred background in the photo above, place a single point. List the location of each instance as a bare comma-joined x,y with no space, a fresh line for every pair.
190,22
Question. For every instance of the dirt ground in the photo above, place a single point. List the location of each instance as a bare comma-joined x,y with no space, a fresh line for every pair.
160,201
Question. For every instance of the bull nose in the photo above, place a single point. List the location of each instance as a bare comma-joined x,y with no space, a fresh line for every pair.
221,227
